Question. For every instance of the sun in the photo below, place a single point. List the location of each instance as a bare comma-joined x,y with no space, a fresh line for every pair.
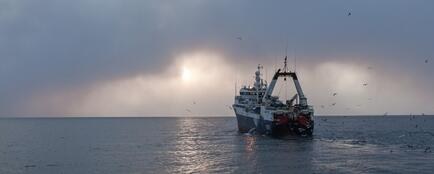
186,74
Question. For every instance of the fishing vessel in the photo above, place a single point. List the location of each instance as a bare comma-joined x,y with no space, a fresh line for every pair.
257,110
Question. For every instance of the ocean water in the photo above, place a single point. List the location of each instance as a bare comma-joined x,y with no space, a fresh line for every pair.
373,144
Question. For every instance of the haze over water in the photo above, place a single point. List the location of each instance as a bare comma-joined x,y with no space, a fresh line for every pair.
212,145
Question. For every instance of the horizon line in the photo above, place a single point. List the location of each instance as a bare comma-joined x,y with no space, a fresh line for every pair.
210,116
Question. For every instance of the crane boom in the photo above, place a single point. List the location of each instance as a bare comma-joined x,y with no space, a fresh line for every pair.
293,75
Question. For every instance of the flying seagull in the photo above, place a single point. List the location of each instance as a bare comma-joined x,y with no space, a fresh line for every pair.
426,60
365,84
239,38
334,94
333,104
349,14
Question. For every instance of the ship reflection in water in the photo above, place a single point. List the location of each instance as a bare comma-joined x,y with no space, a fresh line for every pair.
265,154
250,149
250,141
200,147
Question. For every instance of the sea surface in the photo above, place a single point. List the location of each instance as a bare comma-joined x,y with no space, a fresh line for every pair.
353,144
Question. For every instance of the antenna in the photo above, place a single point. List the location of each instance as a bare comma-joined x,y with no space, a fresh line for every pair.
274,64
295,60
286,47
235,94
266,75
285,68
236,84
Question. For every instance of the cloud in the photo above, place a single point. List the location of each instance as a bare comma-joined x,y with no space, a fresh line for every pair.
78,49
207,92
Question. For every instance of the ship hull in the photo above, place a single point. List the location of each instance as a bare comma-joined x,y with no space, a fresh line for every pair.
248,124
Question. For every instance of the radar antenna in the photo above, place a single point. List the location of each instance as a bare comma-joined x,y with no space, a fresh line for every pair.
285,67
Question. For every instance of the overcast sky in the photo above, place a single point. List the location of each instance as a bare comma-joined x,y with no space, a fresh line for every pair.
182,58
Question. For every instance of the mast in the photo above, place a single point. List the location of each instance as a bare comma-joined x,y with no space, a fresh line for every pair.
258,84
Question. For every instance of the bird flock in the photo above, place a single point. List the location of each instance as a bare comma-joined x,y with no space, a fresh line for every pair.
334,94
